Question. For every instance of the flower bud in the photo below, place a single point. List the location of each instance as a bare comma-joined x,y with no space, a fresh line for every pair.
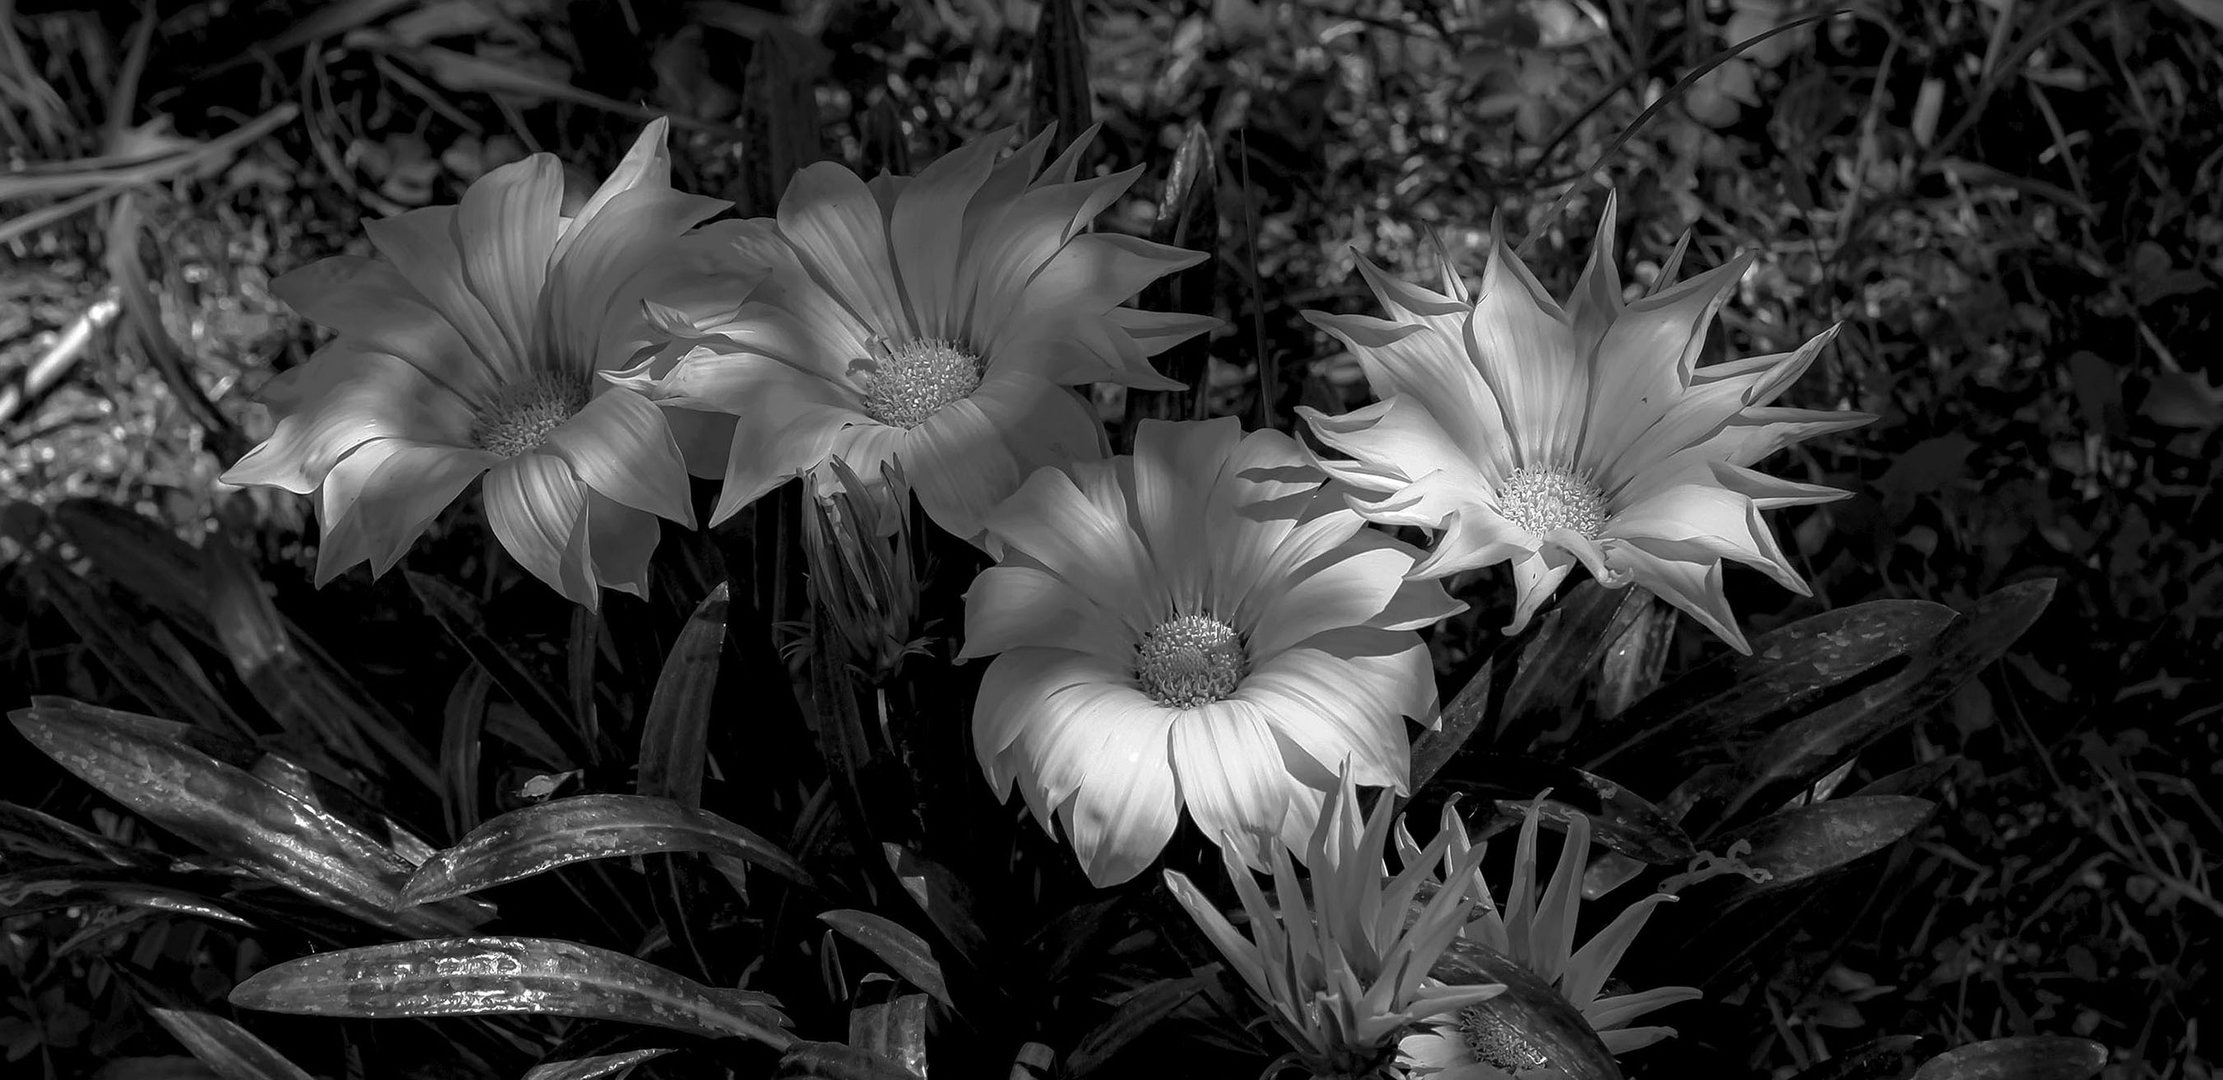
858,542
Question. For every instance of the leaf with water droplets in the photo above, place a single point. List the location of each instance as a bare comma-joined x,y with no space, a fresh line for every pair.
2030,1057
478,976
540,838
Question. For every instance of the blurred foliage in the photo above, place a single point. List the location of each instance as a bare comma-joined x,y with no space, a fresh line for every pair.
2014,209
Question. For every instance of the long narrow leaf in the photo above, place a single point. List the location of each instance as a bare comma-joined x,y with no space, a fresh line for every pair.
598,1067
237,816
676,730
461,618
904,952
559,832
479,976
229,1050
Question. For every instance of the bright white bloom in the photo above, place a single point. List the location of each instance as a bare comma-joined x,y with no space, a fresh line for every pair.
939,320
1477,1043
473,348
1344,975
1204,623
1544,436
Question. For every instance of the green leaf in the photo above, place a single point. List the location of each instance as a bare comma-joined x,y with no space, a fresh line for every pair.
891,1024
675,732
838,1061
2030,1057
1792,670
139,554
518,677
1809,746
1529,1011
1624,821
1142,1011
141,652
944,899
235,815
303,689
1914,779
1469,710
1556,662
1630,669
598,1067
559,832
47,888
1883,1059
463,724
32,832
226,1048
1797,844
904,952
478,976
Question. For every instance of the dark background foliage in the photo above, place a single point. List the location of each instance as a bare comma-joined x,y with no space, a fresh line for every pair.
2013,211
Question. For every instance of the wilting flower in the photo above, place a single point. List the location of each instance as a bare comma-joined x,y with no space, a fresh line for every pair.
1203,623
1544,436
474,349
940,320
1344,975
1479,1042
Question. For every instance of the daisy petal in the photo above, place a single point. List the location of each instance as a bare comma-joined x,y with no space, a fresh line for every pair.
370,301
1231,775
537,509
1128,803
1616,1011
423,246
927,230
620,446
835,223
620,541
505,229
343,397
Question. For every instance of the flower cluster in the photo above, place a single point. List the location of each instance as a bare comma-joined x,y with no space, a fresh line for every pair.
1211,626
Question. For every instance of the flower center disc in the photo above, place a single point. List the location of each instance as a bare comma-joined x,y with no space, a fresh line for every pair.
522,416
1493,1041
914,380
1541,499
1190,660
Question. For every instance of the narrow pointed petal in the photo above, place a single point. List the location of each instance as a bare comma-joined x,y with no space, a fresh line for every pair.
1590,967
1616,1011
1691,585
646,165
1530,359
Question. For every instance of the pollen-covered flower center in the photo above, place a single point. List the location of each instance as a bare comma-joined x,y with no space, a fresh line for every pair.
1493,1040
907,382
1190,660
1540,499
523,415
